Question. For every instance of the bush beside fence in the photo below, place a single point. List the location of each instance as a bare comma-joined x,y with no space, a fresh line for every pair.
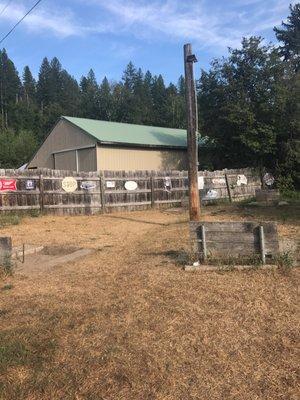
108,194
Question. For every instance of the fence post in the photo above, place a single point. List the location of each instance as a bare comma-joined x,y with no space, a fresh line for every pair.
102,191
262,244
228,188
203,237
42,199
152,190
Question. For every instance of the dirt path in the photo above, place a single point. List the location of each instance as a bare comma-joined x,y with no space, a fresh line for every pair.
127,323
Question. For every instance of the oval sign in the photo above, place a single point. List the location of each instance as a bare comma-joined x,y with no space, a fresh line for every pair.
131,185
88,185
69,184
211,194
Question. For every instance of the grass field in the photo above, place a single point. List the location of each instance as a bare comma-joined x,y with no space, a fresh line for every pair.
128,323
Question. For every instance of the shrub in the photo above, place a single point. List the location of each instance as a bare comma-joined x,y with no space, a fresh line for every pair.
284,262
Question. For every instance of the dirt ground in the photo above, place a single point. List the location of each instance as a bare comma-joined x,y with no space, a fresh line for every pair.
126,322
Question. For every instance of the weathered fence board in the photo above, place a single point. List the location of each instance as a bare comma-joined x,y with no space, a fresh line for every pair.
154,189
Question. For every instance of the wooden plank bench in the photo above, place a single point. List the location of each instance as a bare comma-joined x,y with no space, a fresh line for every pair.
234,240
5,250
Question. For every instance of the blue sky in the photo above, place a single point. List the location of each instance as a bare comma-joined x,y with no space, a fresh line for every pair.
106,34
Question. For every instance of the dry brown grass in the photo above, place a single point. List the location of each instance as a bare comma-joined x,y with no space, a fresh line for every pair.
128,323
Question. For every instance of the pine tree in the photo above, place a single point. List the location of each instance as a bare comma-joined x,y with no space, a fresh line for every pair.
241,103
44,84
175,104
25,114
159,99
105,101
289,35
129,77
148,100
89,96
181,86
288,144
139,104
29,86
117,97
10,87
55,79
70,94
127,105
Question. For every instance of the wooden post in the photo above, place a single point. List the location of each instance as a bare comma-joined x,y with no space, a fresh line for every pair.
203,242
102,192
262,244
228,188
192,130
77,160
42,199
152,191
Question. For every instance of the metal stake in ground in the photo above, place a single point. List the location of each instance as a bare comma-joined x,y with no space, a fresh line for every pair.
192,129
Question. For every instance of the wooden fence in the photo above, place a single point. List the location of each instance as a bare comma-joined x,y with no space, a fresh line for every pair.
42,189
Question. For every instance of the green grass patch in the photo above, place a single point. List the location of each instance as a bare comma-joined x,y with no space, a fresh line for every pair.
230,261
24,349
9,219
13,352
285,262
34,213
15,218
292,195
29,349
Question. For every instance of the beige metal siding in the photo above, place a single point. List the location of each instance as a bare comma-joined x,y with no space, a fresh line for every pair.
87,160
63,136
118,158
65,160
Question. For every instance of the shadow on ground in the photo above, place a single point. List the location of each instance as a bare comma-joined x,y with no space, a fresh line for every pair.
179,257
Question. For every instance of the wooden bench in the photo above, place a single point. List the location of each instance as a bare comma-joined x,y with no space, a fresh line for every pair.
5,250
234,240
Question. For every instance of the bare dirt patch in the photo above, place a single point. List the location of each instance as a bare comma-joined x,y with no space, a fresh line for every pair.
49,257
58,250
127,323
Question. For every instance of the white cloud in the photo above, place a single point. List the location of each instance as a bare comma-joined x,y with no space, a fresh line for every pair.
216,26
41,19
208,24
169,18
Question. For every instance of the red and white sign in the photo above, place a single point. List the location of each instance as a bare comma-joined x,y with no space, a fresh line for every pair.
8,185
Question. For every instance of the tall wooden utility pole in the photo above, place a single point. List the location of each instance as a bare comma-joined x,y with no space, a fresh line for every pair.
192,130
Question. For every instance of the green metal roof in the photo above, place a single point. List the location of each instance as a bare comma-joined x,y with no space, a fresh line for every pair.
116,132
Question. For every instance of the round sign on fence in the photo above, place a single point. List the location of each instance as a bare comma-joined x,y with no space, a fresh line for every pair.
131,185
69,184
269,179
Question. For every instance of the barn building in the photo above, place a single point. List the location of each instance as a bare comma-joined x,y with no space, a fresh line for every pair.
81,144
